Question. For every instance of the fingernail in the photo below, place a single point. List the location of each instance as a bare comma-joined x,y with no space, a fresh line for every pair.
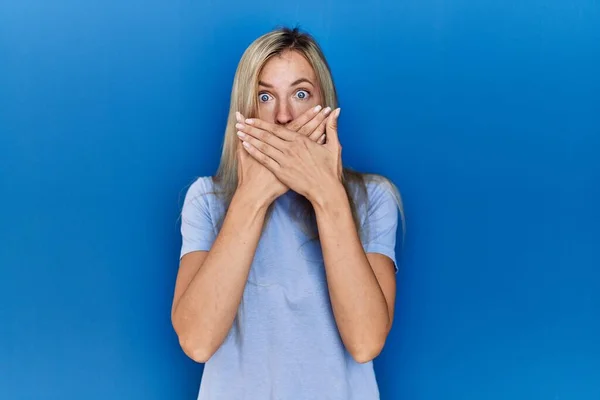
317,109
337,112
249,121
246,144
238,116
241,134
239,126
327,110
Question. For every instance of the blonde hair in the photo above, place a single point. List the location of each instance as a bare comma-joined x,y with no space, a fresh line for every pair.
244,95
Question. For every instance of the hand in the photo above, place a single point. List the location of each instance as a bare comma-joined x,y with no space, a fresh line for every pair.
255,181
294,159
258,181
311,124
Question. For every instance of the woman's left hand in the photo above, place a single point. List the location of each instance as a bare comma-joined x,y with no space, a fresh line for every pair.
303,165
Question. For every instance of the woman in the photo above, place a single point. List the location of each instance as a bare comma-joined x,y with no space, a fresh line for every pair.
286,283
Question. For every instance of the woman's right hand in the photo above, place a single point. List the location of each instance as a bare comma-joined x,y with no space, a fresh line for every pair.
255,182
258,183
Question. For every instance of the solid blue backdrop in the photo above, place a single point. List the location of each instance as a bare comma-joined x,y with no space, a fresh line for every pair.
485,113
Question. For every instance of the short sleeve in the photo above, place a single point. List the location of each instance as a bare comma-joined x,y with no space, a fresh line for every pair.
197,230
381,220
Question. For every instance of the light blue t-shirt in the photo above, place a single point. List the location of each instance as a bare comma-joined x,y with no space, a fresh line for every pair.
284,343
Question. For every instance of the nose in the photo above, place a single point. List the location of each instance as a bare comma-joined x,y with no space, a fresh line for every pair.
283,114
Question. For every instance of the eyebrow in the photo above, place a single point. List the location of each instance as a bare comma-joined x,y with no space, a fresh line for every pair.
296,82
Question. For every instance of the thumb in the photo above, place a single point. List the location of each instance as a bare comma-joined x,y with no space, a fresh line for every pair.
332,127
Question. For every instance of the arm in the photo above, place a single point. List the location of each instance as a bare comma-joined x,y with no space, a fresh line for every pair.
210,284
362,286
207,295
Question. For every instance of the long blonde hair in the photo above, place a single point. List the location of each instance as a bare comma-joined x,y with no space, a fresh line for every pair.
244,99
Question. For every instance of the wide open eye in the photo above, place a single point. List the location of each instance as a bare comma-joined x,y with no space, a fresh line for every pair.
264,97
303,94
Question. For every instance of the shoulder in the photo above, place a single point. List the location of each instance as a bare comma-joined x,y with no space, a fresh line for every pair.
197,216
379,202
201,185
373,190
199,195
200,188
380,188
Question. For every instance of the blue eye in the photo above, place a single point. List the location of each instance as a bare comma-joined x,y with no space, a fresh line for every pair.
263,97
302,94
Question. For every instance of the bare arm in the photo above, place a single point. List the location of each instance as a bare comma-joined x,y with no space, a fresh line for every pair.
362,286
210,284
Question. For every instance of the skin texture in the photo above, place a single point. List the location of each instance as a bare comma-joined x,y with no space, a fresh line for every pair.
282,149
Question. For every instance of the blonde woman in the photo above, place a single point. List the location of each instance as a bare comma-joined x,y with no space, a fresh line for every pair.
286,284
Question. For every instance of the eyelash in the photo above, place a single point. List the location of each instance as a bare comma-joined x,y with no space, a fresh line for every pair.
299,90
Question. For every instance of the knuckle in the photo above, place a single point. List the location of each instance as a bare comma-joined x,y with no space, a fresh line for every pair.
259,134
258,144
303,141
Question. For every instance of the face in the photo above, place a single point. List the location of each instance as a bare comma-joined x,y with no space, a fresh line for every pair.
287,88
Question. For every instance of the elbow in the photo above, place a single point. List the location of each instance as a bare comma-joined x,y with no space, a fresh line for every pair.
196,351
365,354
192,345
364,351
365,346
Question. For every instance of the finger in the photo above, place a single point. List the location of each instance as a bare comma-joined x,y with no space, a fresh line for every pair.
314,123
304,118
239,117
261,158
319,130
277,130
261,146
321,140
331,128
260,134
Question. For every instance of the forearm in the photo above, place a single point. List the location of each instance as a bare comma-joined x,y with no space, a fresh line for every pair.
358,303
207,308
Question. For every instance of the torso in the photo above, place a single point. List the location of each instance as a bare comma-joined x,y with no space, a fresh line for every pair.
284,343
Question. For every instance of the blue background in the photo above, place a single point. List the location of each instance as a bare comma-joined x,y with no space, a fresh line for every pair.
485,113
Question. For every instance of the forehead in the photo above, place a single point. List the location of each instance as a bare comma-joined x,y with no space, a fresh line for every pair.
286,67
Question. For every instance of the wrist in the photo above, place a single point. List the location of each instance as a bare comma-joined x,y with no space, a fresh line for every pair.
252,202
328,195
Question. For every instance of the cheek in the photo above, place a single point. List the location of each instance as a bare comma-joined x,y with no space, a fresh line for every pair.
266,112
301,107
